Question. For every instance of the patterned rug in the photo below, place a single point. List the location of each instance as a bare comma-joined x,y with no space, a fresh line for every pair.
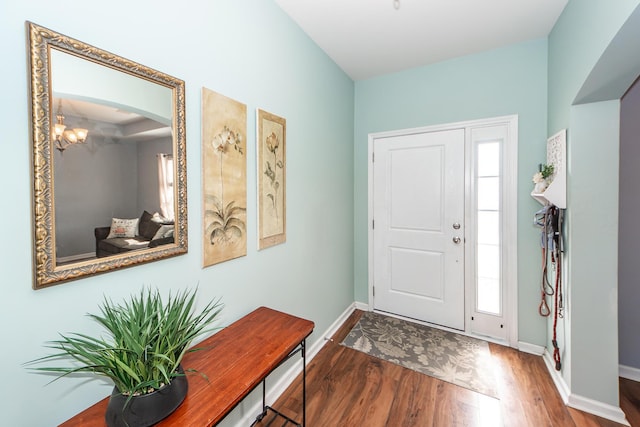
460,360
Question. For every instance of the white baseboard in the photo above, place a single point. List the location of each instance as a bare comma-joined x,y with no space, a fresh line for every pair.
276,389
361,306
585,404
604,410
526,347
629,373
315,348
558,380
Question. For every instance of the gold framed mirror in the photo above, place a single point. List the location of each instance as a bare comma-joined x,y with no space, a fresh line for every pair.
108,160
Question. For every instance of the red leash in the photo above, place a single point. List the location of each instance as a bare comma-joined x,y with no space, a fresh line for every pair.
554,341
546,288
543,308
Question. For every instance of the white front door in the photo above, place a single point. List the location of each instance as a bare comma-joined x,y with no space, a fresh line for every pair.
418,235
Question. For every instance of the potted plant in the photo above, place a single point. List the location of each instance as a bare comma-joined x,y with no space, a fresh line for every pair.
542,178
141,353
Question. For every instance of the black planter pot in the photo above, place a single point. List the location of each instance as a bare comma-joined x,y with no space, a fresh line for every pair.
148,409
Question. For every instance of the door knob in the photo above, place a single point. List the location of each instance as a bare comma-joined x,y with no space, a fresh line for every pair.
456,226
456,240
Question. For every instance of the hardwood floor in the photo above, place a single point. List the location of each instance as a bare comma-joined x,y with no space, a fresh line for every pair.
348,388
630,400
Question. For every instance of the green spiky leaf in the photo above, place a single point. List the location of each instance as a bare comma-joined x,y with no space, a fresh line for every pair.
145,341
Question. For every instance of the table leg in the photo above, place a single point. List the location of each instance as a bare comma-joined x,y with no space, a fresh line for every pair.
304,383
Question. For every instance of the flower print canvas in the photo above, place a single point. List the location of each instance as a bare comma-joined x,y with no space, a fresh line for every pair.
272,200
224,178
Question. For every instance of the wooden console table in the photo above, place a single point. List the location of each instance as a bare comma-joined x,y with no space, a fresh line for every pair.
236,360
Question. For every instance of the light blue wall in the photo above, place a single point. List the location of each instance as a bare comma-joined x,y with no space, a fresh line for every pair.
592,249
577,41
583,36
510,80
248,50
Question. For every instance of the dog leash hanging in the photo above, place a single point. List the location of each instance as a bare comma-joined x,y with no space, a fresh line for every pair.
557,311
550,219
543,308
541,220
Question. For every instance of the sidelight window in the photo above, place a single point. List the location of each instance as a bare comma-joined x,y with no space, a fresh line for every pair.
488,229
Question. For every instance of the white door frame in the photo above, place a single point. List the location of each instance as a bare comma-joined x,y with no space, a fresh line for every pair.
509,207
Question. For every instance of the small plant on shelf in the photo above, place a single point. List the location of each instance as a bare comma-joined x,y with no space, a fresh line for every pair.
541,179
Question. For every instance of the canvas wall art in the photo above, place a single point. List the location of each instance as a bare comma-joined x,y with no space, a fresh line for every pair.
224,178
272,189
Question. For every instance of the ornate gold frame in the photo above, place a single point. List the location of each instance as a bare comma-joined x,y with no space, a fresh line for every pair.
46,270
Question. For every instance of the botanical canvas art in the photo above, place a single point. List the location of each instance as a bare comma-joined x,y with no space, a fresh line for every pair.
272,201
224,178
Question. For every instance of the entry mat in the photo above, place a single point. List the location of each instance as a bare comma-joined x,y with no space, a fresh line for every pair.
447,356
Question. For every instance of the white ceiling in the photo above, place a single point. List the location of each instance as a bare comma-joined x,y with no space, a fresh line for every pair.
368,38
109,122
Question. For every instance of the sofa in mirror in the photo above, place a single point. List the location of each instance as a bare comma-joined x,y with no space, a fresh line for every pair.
109,160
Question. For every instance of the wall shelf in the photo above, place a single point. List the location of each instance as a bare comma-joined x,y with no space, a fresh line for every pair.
556,191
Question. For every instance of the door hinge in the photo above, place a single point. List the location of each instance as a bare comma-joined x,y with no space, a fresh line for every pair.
373,224
374,290
373,157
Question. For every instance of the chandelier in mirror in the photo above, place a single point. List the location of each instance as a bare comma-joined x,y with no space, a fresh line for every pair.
63,137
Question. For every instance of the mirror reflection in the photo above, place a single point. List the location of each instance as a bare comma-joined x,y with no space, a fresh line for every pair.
113,158
109,153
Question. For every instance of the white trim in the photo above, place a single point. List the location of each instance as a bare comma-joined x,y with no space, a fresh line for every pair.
362,306
506,131
333,328
510,208
556,376
604,410
585,404
275,390
629,372
511,224
446,126
370,222
535,349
